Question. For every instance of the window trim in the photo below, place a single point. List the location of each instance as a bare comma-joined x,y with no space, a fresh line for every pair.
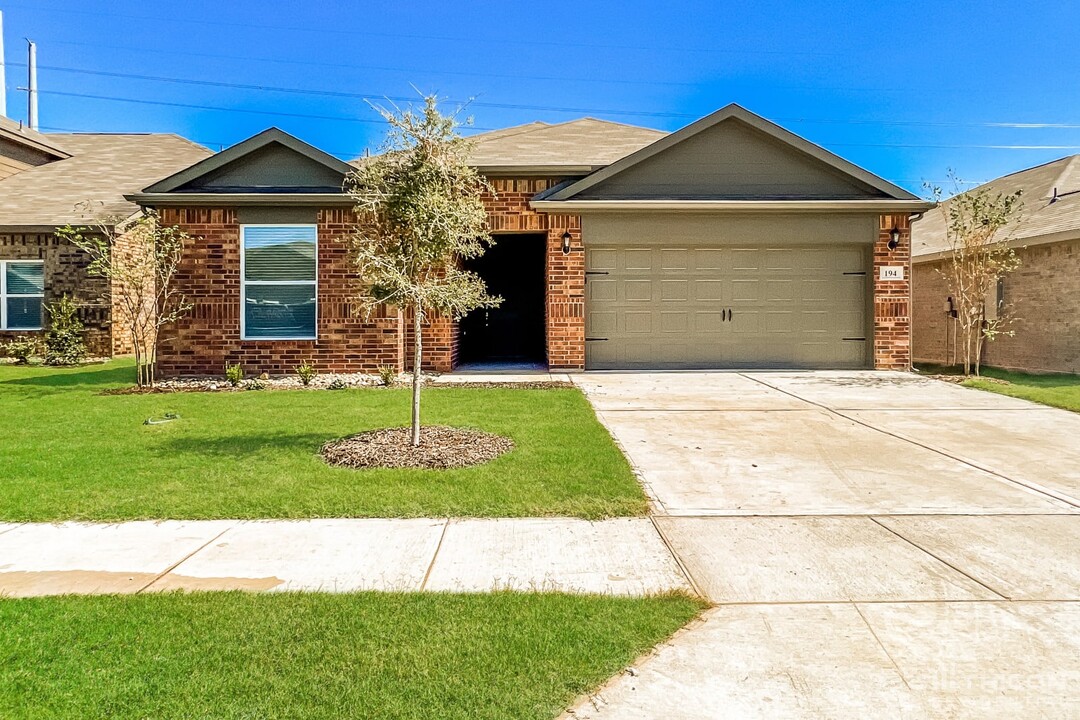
244,283
4,294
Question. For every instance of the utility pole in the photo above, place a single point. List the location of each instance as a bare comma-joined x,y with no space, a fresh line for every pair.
32,97
3,83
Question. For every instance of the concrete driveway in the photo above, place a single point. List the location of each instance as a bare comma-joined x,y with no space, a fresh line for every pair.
877,544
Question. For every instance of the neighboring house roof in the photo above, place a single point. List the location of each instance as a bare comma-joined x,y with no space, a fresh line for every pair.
272,165
1043,219
574,147
16,132
100,168
732,159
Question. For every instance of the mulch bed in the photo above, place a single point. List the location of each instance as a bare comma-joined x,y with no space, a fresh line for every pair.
441,447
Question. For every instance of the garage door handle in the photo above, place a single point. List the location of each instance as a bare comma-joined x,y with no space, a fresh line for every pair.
596,272
594,339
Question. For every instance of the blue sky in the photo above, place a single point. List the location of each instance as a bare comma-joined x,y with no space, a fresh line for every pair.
905,89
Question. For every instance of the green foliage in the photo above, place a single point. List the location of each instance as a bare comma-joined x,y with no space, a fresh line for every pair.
75,454
306,372
337,384
979,225
255,384
316,656
419,212
234,374
142,256
64,344
22,348
388,375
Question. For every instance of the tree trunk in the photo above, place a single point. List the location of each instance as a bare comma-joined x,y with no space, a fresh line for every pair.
417,354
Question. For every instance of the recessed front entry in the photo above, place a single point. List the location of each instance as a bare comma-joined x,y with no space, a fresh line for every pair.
513,269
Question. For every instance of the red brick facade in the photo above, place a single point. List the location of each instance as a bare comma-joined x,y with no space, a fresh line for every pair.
209,337
66,274
892,298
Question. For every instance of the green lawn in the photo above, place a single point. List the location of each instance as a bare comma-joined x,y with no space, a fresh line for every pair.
1060,391
71,453
307,655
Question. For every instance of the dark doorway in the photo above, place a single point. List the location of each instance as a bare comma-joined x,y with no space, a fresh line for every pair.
513,269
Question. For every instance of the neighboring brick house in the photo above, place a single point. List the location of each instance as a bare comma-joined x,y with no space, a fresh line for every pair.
730,243
42,179
1042,295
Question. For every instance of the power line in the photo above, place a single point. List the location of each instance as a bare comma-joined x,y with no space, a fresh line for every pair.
549,108
440,38
383,68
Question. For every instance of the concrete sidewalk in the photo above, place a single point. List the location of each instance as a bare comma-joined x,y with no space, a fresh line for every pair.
621,557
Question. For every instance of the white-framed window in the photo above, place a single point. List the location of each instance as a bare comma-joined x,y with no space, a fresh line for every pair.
278,282
22,292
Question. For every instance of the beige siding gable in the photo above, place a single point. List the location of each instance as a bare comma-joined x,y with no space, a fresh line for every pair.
730,161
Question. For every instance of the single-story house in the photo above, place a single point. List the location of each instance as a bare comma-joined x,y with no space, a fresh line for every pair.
43,178
1042,296
729,243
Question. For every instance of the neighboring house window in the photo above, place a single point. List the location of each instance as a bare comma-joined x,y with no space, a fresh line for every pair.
22,290
278,282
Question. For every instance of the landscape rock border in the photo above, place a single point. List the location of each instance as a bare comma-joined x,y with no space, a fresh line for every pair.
441,447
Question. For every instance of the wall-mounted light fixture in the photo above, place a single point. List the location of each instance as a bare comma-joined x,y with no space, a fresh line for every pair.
566,238
894,238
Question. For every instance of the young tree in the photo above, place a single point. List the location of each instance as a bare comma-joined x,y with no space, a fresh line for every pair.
979,225
140,258
419,212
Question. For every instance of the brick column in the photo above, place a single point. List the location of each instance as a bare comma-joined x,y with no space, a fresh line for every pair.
892,298
565,295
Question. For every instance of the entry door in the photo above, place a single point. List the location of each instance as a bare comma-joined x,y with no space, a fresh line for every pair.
727,307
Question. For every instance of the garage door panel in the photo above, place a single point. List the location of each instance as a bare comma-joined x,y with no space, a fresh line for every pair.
638,259
728,307
708,321
638,290
638,322
708,290
675,290
675,321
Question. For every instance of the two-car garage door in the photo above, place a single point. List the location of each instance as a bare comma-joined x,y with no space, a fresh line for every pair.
696,305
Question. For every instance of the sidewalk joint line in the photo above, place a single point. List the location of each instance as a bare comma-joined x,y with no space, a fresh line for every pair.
881,645
941,560
678,560
184,559
1037,490
438,547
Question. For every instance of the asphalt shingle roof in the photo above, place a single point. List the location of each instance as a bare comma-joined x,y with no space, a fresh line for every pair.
586,142
1039,217
101,168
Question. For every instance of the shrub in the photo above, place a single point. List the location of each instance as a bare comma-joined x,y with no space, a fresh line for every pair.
64,342
388,375
307,372
255,384
337,384
234,374
22,348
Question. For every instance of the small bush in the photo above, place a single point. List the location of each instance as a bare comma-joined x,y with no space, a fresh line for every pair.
234,374
337,384
64,341
306,371
22,348
388,375
255,384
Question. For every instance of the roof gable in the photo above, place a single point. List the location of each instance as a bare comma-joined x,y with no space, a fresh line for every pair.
271,162
736,155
